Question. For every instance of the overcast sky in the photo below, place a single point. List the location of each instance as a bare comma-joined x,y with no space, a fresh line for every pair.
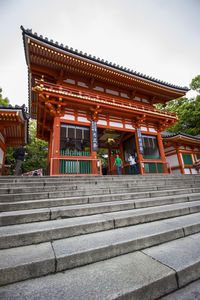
159,38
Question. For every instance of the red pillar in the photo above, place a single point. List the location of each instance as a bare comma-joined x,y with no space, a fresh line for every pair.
180,161
162,152
55,147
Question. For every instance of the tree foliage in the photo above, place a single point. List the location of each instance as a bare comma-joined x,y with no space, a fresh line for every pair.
195,84
188,111
37,151
3,101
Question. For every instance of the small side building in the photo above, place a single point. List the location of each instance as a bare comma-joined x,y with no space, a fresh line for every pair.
182,151
13,130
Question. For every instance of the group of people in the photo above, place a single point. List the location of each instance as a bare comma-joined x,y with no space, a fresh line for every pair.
132,162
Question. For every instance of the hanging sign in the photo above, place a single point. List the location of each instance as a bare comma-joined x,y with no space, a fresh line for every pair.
140,142
94,136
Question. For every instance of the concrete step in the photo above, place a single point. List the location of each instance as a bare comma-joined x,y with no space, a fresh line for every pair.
188,292
101,194
16,179
100,181
33,188
58,212
47,203
56,256
146,274
182,255
90,189
37,232
97,181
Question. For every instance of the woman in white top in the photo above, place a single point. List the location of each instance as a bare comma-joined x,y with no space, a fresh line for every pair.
132,162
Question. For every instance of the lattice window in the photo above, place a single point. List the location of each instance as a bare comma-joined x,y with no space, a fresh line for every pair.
187,158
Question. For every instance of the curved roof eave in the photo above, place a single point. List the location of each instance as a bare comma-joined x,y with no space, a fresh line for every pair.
169,135
91,58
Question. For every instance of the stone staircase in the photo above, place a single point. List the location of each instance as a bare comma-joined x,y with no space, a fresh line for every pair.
112,237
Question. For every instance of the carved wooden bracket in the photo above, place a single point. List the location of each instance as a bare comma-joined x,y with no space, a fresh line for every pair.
94,112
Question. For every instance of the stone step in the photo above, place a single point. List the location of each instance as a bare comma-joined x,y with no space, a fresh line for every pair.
77,189
182,255
57,212
147,274
47,203
56,256
95,177
37,232
101,194
48,181
188,292
82,186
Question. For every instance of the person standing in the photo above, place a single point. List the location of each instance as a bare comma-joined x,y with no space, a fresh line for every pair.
132,162
19,156
118,163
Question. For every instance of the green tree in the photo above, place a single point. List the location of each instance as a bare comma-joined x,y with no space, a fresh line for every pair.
37,151
3,101
195,84
188,111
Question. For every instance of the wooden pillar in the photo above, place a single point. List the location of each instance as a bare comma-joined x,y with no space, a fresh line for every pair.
3,148
55,147
180,161
162,152
50,152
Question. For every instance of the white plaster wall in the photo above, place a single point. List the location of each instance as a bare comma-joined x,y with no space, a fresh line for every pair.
143,128
194,171
83,119
187,170
177,171
173,160
68,117
102,122
152,130
115,124
128,126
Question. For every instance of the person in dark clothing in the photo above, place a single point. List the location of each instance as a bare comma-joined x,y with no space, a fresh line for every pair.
19,156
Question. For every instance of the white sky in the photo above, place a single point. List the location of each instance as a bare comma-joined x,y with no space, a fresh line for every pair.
160,38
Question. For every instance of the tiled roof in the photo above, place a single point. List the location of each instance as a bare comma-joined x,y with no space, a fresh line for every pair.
23,108
179,133
98,60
